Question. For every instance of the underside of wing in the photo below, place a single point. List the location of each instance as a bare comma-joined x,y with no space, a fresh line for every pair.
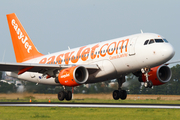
49,69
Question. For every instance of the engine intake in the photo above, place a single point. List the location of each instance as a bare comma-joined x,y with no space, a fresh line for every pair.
164,74
73,76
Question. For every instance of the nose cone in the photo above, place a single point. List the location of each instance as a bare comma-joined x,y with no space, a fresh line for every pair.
167,51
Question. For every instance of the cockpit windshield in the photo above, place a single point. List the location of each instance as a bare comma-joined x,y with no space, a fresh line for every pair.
146,42
165,40
151,41
159,40
155,41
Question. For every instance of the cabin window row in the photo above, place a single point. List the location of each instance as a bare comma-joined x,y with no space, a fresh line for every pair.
86,55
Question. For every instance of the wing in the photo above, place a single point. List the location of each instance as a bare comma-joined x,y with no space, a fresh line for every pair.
172,62
49,69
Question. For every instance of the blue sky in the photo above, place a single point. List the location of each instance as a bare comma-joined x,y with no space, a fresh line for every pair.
53,25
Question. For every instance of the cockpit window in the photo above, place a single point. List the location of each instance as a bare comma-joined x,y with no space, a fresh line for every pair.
151,41
165,40
159,40
146,42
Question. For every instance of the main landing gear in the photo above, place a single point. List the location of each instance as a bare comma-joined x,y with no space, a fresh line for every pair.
65,95
147,84
122,94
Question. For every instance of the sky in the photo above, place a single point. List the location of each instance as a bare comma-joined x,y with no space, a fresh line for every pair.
53,25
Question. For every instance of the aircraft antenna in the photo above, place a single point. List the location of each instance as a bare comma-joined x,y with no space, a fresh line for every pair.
141,32
69,48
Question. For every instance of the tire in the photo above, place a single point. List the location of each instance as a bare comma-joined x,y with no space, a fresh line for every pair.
68,95
146,85
123,94
116,94
61,95
150,84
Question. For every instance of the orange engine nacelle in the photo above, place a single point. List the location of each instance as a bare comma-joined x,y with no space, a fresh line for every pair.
73,76
159,75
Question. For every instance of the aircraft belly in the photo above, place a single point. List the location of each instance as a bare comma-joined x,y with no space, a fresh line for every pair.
107,72
125,65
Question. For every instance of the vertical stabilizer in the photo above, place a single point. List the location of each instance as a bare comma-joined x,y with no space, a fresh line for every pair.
23,46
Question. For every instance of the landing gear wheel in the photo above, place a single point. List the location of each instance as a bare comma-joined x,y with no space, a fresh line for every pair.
61,95
148,84
116,94
123,94
119,94
68,95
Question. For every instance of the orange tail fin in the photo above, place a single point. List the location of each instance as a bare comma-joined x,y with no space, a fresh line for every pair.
23,46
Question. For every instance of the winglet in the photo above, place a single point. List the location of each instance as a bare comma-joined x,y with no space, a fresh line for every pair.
23,46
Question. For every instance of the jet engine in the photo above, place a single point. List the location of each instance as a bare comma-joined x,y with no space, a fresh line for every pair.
73,76
158,75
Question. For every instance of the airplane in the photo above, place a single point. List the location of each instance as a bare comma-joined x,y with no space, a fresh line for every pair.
145,55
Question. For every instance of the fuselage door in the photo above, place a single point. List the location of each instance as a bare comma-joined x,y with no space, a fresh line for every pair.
132,46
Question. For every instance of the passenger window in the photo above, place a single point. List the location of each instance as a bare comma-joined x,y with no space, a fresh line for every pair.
151,41
159,40
146,42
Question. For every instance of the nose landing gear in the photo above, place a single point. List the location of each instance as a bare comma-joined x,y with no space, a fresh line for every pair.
147,84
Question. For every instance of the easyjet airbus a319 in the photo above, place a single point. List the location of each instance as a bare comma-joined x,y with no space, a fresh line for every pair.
145,55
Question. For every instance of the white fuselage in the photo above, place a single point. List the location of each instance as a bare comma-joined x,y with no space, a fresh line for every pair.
115,57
